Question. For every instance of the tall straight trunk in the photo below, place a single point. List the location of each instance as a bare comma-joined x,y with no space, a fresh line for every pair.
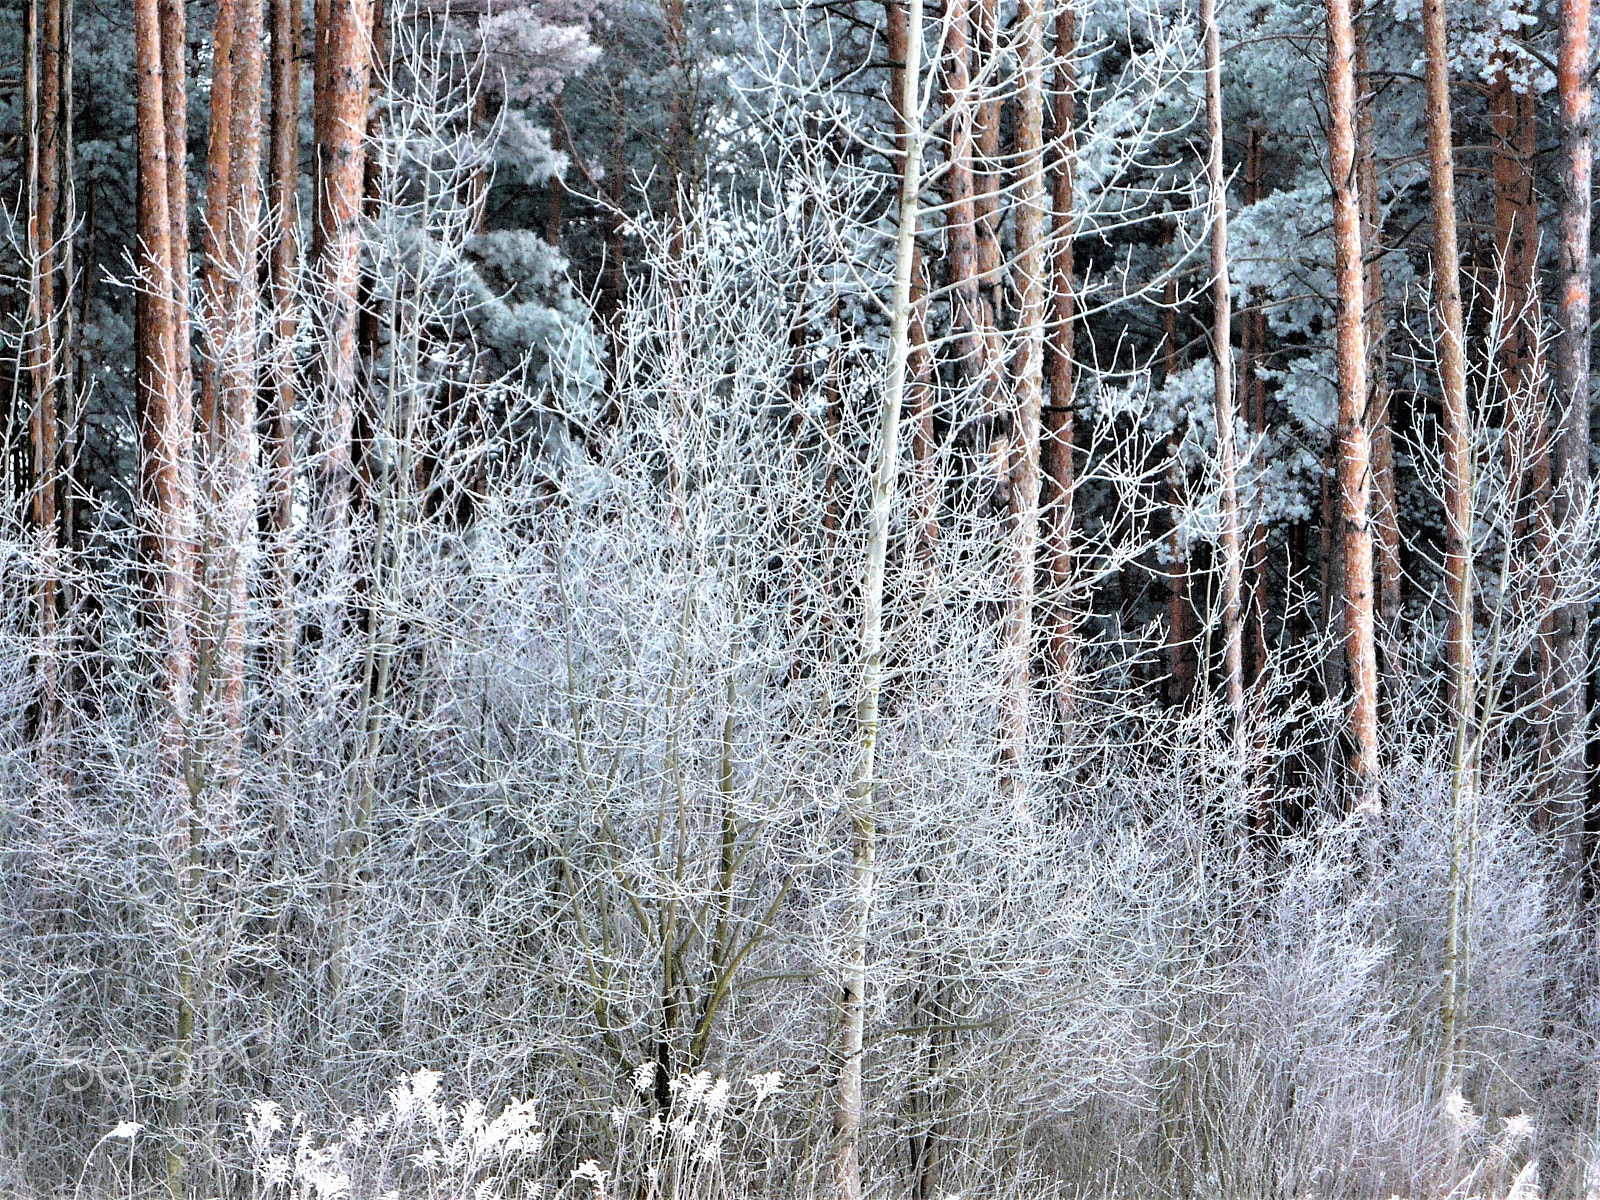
280,386
166,487
1458,494
174,35
1574,198
1385,511
849,1102
340,156
1253,395
214,282
960,220
1027,379
1355,448
1520,365
1059,429
924,519
1222,348
995,437
558,190
1183,666
44,351
236,373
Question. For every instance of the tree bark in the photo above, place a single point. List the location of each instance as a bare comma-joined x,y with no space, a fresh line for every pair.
1457,454
281,384
1456,432
1222,351
43,130
1059,429
1027,377
848,1107
1355,454
1574,199
344,60
1385,510
1253,394
1183,667
924,517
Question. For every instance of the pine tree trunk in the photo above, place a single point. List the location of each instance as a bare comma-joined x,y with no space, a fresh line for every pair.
1457,454
1456,432
849,1101
994,446
280,386
1222,349
43,127
1183,667
237,377
1027,379
1570,649
924,518
1253,394
1058,421
167,482
341,161
1385,510
1355,453
960,221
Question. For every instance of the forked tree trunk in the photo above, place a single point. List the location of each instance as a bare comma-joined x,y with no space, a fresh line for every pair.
1570,650
1222,349
849,1102
1354,448
1059,428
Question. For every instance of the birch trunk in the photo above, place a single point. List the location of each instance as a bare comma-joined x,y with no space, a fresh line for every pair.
848,1099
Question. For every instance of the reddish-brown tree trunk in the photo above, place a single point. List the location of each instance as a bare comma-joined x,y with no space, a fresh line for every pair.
960,218
1385,511
1570,651
1183,666
1455,429
44,351
1027,376
282,277
343,56
994,422
1058,420
1355,453
1253,395
923,497
233,361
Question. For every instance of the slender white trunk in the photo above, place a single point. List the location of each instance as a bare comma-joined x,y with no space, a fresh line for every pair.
847,1109
1222,337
